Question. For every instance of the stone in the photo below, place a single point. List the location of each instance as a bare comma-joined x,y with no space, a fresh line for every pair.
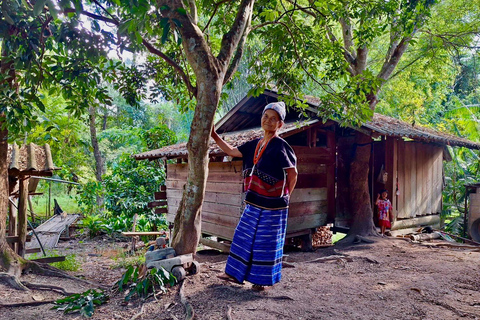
159,254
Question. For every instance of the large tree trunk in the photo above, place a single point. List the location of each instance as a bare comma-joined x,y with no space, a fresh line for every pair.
359,192
187,221
10,261
99,163
210,72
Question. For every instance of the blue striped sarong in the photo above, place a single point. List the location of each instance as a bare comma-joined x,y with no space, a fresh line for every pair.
257,247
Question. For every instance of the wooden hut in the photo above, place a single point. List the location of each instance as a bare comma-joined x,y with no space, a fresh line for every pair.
24,162
409,158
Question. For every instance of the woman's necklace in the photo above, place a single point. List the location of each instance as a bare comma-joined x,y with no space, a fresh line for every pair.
261,146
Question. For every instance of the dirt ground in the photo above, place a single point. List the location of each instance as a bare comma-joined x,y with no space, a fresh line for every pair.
389,279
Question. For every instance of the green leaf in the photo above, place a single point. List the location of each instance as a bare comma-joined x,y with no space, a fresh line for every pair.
95,25
166,29
38,7
182,11
52,9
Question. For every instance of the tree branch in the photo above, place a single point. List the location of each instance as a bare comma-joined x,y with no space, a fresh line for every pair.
397,54
347,36
93,16
217,5
172,63
232,38
361,60
238,54
193,11
105,10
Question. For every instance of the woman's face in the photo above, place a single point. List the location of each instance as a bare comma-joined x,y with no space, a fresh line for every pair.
271,121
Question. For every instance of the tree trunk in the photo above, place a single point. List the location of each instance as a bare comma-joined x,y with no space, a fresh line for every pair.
99,167
359,192
10,261
360,206
22,215
187,221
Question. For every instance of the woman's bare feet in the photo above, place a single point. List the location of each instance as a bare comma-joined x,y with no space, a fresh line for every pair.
257,287
229,278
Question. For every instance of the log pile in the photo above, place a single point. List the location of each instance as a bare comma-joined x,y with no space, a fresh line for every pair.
322,237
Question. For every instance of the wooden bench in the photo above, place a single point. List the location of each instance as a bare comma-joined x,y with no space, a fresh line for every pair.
146,233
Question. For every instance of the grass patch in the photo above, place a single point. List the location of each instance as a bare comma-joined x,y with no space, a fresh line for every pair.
70,264
66,202
125,260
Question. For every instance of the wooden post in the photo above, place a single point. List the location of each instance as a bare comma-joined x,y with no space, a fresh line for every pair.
22,216
12,223
391,168
134,239
30,206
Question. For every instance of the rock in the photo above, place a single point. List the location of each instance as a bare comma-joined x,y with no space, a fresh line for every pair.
159,254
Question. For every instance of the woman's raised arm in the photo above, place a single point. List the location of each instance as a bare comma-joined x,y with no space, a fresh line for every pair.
228,149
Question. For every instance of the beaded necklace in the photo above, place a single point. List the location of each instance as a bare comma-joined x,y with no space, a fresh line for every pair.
261,146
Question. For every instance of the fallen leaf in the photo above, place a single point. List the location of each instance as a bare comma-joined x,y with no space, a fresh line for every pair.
37,297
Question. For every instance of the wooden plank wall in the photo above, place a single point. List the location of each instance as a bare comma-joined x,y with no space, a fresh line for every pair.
222,206
309,204
420,176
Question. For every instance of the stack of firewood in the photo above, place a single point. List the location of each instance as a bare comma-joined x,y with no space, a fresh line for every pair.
322,237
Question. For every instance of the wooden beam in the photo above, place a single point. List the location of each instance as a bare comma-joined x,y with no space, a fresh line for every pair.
32,250
162,195
146,233
154,204
49,259
215,244
416,222
22,216
15,239
12,222
161,210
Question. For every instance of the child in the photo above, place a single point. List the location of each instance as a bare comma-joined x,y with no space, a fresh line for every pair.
385,214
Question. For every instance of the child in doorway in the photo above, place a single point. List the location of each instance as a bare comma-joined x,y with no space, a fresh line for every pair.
385,215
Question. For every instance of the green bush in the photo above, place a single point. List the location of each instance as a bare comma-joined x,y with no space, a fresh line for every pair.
131,185
141,282
82,302
94,224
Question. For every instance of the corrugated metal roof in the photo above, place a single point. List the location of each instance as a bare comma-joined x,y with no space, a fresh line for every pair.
30,159
233,138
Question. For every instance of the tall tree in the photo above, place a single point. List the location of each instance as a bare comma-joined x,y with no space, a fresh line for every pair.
349,50
99,160
40,51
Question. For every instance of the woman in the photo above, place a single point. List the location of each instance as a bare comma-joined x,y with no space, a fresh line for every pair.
270,175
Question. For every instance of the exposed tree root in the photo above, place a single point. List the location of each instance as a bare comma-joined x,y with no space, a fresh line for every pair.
47,287
342,258
49,271
453,309
229,313
190,313
359,239
138,314
12,281
25,304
